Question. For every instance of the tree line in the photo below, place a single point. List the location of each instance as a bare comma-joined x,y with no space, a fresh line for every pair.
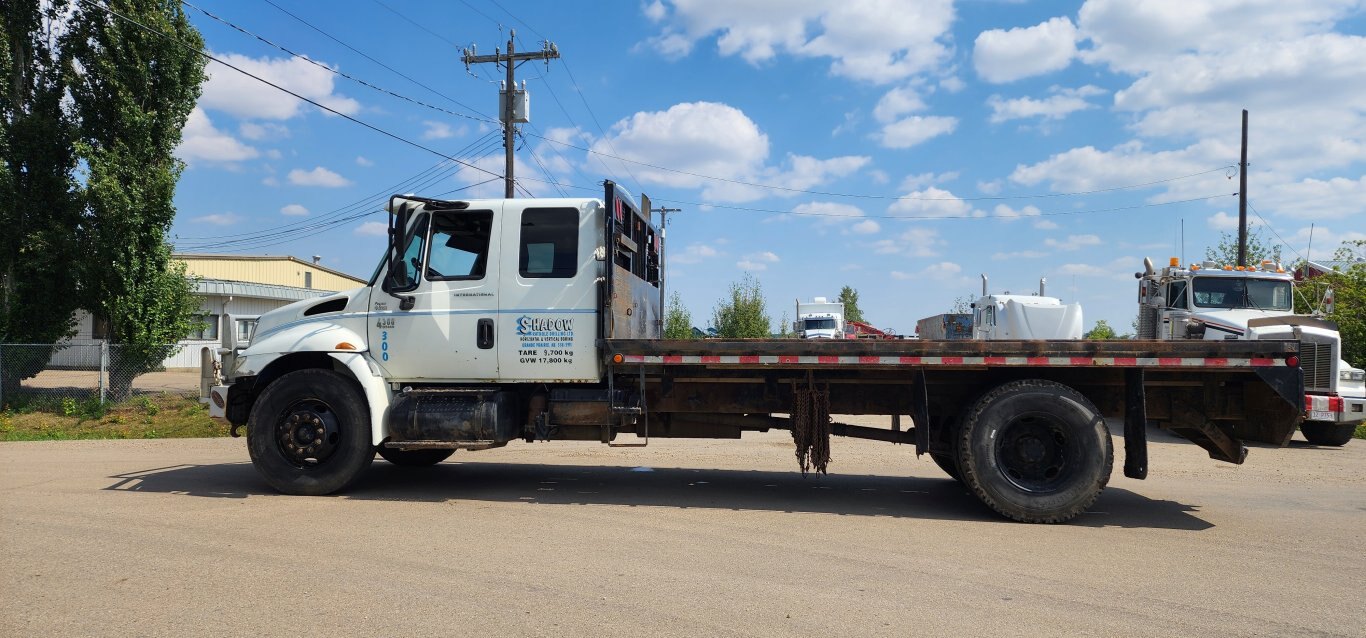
92,107
743,313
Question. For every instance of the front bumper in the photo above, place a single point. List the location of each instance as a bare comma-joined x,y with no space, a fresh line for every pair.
1334,409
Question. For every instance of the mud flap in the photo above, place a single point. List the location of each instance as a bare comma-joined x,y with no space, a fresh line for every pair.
1135,426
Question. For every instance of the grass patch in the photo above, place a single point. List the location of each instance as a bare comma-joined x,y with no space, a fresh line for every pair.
144,417
1361,431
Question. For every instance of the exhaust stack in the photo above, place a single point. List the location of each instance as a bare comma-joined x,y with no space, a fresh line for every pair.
984,285
1043,286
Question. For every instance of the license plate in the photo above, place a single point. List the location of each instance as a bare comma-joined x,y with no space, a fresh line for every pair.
1320,415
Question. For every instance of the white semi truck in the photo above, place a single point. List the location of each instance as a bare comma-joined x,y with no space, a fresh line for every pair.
493,321
1036,316
819,319
1212,301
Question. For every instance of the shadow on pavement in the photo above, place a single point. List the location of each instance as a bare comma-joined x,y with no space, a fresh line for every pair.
683,488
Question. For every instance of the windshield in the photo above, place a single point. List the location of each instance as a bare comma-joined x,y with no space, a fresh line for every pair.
1237,292
820,324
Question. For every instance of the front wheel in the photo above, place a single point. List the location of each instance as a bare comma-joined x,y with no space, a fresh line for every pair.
1327,433
309,433
1035,451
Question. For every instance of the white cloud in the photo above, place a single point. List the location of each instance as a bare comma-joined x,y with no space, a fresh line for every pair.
293,210
757,261
692,254
916,129
1326,240
372,229
921,180
711,139
989,187
1087,168
1004,56
655,11
1316,199
201,141
319,176
362,161
258,131
230,91
1073,242
1121,268
1060,104
218,219
1045,224
1009,214
835,214
896,103
932,202
1020,254
913,242
877,41
440,130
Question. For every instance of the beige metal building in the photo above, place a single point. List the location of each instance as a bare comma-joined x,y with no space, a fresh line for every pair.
239,285
269,270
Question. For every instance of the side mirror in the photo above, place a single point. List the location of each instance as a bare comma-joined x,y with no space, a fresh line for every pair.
1328,301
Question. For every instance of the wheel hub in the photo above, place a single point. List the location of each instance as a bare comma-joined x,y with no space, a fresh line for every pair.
1033,452
307,433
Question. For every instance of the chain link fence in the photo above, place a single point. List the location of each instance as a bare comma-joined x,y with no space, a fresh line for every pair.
94,372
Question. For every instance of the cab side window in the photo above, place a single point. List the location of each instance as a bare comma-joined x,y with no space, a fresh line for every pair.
549,245
1176,294
460,245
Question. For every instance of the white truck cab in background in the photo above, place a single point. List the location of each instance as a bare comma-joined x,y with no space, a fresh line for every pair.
819,318
1221,302
1035,316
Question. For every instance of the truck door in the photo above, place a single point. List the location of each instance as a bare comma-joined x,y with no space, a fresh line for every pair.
549,292
450,332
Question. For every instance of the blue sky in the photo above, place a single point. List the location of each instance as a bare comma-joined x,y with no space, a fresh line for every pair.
901,148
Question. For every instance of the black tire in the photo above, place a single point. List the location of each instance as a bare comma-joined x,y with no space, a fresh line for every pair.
414,458
1326,433
309,433
1035,451
949,464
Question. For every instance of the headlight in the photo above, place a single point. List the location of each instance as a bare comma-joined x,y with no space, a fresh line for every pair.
1352,375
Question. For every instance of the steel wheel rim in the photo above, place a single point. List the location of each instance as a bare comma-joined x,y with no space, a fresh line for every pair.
307,434
1035,453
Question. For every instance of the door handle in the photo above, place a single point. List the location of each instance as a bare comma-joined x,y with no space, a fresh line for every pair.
484,334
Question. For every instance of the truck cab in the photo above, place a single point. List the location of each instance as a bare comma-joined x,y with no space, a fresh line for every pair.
1213,301
819,318
1028,317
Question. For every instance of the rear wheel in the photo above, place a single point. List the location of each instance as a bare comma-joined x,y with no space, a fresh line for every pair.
414,458
309,433
1326,433
1035,451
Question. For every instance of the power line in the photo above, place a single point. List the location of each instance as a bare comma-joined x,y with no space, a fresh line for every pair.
339,73
935,217
262,80
368,57
416,24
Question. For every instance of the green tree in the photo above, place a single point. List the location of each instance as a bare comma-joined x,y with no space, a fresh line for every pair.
741,314
849,297
39,203
677,319
1257,249
1101,330
961,306
785,327
1349,299
132,92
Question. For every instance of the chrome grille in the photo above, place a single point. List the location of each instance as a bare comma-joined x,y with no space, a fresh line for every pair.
1316,359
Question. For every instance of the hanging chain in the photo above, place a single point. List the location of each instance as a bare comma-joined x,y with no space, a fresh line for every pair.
811,425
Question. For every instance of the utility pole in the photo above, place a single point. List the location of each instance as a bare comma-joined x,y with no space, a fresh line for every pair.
514,104
1242,199
663,222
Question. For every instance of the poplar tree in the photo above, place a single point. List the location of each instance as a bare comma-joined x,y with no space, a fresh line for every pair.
677,319
39,202
742,315
132,88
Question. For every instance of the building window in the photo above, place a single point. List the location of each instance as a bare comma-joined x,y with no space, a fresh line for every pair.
206,330
308,279
245,329
99,326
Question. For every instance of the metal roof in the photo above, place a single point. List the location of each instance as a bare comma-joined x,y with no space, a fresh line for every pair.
223,288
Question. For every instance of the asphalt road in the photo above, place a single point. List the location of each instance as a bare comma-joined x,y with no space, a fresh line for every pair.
683,538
